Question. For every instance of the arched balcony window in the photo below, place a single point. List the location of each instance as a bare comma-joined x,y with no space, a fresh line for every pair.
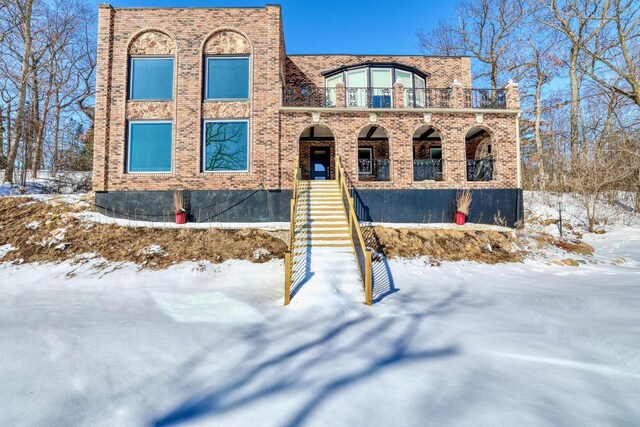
370,85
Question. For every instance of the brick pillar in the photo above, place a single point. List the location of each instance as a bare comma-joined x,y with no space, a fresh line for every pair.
457,95
340,95
103,94
398,95
513,95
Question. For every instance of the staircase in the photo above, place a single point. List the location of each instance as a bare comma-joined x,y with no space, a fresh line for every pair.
320,217
327,256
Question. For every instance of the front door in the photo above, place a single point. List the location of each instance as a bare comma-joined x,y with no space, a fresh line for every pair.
320,163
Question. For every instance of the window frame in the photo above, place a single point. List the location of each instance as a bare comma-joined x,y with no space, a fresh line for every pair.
128,148
152,57
203,147
206,77
370,150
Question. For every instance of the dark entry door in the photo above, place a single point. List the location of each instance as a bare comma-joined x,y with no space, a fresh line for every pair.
320,163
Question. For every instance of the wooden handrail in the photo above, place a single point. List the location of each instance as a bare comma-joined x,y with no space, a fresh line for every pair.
366,269
288,259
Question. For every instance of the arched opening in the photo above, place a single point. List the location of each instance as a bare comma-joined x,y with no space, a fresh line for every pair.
427,154
373,154
479,154
317,151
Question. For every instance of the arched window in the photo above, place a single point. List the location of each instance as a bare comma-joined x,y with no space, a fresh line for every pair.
151,67
370,84
227,55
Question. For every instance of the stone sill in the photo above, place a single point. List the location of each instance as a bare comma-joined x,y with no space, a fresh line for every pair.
398,110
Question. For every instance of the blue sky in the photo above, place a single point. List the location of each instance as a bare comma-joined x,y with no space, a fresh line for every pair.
340,26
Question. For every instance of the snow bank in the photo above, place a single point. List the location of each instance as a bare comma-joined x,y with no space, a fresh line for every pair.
465,344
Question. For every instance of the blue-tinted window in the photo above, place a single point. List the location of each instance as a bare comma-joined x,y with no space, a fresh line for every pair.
151,79
226,146
150,147
227,78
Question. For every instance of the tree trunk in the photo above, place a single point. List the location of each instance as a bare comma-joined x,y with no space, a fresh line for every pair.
22,92
37,125
575,102
1,133
56,133
536,132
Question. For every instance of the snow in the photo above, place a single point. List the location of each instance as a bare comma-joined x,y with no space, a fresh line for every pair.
466,344
93,343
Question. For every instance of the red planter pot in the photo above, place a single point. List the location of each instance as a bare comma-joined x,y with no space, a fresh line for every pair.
460,218
181,218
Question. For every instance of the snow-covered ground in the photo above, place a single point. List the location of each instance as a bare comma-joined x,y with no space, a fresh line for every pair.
464,344
94,343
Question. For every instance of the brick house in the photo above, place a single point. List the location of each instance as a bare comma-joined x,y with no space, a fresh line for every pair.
207,101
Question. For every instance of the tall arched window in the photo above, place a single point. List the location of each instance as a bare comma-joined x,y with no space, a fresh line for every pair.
151,67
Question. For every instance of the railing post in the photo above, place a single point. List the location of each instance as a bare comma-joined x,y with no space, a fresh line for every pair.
340,95
512,95
398,95
287,278
457,95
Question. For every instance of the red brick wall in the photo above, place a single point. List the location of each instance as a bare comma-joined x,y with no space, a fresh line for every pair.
274,132
400,127
307,69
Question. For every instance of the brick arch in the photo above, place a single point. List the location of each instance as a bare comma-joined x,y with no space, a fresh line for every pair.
419,130
227,42
304,150
475,148
151,42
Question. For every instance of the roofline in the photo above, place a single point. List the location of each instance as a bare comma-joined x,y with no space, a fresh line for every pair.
379,55
107,5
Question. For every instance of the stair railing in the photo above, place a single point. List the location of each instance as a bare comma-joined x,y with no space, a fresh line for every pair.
288,260
363,255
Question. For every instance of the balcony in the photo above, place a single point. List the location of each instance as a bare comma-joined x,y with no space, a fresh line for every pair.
485,98
373,170
383,97
309,96
427,170
427,97
480,170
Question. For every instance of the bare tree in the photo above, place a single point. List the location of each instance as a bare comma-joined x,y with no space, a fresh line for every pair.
580,21
486,29
615,53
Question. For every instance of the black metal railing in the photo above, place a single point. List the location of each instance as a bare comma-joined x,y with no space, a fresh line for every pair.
369,97
373,170
480,170
427,170
433,97
309,96
485,98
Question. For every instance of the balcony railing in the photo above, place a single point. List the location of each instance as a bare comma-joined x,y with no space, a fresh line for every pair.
427,170
485,98
369,97
382,97
427,97
373,170
309,96
480,170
